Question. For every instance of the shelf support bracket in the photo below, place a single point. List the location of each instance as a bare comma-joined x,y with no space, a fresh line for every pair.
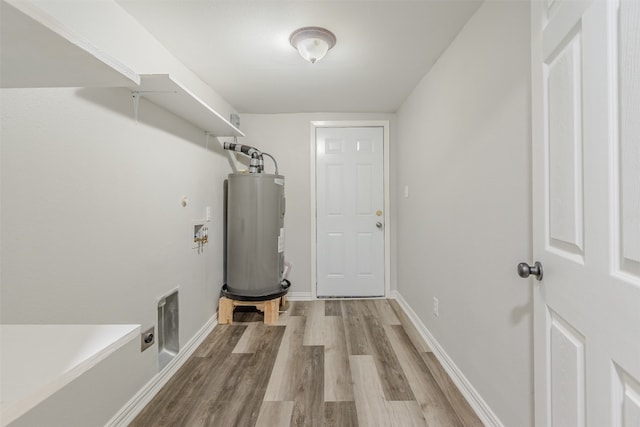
136,99
136,104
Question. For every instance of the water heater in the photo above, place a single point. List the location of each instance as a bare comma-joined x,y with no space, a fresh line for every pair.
255,236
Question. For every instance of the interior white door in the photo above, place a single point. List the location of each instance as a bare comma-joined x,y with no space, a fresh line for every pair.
349,209
586,211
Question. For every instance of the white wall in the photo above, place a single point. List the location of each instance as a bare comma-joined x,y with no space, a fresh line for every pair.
287,138
464,151
92,226
93,230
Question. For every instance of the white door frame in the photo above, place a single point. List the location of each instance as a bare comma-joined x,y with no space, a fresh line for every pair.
387,199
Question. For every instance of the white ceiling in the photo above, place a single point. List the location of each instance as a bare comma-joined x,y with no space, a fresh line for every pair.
241,48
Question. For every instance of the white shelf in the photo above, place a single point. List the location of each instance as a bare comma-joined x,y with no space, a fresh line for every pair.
39,360
163,90
36,50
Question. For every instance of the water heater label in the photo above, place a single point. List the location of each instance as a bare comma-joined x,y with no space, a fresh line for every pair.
281,241
278,181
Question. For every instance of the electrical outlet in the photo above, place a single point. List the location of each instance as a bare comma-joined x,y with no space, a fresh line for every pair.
435,307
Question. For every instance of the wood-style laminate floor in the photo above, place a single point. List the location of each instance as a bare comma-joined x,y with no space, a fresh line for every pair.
327,363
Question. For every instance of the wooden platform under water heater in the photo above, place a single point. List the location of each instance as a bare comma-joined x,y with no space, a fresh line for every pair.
270,308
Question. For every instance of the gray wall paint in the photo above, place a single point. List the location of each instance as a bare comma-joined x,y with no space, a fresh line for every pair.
92,225
464,151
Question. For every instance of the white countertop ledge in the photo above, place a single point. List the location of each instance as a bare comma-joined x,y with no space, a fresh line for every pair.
38,360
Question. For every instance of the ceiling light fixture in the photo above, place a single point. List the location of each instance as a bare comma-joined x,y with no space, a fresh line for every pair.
312,43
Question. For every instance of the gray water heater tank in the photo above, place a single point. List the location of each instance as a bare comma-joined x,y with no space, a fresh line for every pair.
255,235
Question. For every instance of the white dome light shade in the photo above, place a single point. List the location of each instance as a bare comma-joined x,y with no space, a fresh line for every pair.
312,43
312,49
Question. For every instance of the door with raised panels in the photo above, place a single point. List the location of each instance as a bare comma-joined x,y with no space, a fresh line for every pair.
586,211
349,209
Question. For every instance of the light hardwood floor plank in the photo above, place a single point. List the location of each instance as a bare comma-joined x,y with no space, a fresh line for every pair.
281,385
300,308
384,312
460,405
275,414
394,382
369,396
249,339
357,343
366,307
350,307
432,402
377,308
372,408
338,385
332,308
406,414
314,330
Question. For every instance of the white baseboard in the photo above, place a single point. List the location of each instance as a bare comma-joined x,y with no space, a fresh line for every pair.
481,408
137,403
308,296
299,296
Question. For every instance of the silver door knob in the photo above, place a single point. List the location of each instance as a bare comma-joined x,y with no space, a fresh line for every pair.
525,270
379,224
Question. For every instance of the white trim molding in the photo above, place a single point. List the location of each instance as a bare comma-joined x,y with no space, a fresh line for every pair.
300,296
481,408
315,124
137,403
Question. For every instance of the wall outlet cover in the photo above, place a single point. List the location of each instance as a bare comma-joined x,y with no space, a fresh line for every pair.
147,338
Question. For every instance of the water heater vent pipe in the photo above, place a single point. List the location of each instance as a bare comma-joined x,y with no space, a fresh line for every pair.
275,164
256,164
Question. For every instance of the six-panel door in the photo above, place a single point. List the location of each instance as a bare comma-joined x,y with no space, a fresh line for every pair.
586,211
350,217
